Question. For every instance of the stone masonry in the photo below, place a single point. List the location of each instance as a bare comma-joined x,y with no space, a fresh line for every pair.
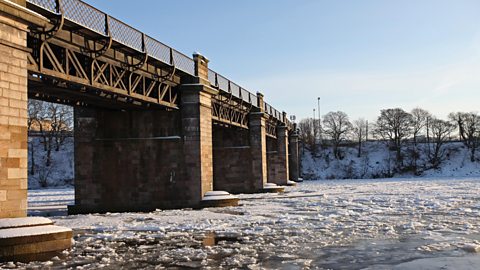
140,160
232,160
293,155
258,149
128,161
277,157
196,111
13,106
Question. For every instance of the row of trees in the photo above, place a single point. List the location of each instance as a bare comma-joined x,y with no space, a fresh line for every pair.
398,128
53,123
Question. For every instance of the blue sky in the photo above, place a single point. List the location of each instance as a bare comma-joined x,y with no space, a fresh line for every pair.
358,56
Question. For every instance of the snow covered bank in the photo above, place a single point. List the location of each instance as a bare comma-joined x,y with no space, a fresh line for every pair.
377,161
376,224
59,174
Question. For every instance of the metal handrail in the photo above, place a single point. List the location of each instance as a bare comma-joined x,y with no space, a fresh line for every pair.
85,15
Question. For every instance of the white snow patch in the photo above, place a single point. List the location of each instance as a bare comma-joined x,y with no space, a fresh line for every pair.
7,223
31,231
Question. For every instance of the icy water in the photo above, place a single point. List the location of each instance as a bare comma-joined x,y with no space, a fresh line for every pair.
361,224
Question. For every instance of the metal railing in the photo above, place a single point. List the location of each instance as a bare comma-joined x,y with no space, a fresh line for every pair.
273,112
87,16
227,86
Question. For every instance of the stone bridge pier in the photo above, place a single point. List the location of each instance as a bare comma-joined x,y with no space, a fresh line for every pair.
14,21
293,155
277,157
240,160
141,160
245,160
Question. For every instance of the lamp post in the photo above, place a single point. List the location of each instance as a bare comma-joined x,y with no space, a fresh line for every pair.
319,123
314,129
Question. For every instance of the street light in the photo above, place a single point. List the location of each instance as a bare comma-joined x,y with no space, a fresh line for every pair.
319,123
314,129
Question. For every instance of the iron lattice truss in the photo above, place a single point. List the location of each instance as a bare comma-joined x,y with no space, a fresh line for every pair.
88,57
229,110
271,127
82,66
131,79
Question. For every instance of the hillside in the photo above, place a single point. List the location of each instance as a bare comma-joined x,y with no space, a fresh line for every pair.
377,161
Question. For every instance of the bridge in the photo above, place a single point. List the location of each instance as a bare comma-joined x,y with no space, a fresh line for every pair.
154,128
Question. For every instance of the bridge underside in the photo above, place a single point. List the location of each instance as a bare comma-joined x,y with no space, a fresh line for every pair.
150,132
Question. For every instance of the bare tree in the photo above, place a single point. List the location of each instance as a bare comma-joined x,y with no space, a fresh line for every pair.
394,125
419,122
337,126
360,129
61,121
457,119
420,118
54,122
307,128
35,111
469,129
441,131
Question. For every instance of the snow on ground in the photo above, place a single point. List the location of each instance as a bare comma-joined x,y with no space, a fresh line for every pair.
349,224
59,173
377,161
49,202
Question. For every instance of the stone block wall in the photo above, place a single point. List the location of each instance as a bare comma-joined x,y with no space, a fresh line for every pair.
272,161
13,118
293,156
232,160
258,148
277,157
129,161
196,120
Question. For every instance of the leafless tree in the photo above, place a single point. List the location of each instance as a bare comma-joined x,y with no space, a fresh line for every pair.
394,125
336,126
61,121
359,131
306,127
53,122
419,122
35,111
457,119
35,114
441,131
420,118
469,130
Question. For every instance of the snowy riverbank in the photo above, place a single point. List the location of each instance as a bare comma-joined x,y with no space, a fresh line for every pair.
350,224
377,161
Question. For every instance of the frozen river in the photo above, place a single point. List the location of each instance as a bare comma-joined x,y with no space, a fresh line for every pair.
361,224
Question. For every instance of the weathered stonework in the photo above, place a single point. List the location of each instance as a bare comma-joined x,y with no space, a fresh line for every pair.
232,160
293,155
13,116
32,238
277,157
258,149
129,161
143,160
196,113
